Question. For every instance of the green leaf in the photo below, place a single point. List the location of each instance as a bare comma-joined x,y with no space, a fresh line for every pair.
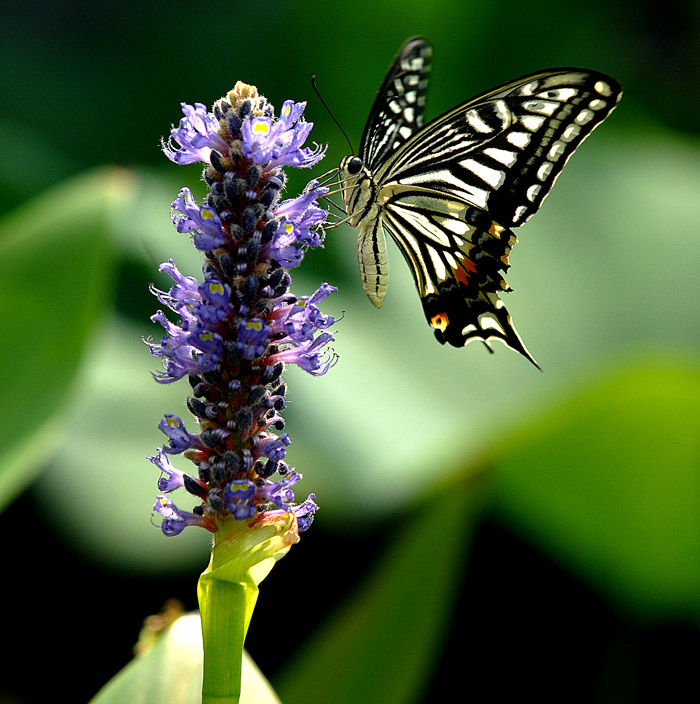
55,281
608,481
591,276
171,673
382,645
115,420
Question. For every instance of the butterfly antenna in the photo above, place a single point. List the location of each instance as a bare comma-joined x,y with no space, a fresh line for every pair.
333,117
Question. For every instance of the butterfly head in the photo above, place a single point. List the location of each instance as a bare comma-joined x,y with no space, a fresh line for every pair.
357,186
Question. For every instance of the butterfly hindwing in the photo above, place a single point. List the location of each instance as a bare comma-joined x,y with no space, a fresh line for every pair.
397,111
457,255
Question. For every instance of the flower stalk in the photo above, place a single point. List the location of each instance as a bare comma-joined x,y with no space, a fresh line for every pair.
241,558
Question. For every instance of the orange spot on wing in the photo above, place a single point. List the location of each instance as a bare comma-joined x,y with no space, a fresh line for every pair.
468,263
440,321
461,275
461,271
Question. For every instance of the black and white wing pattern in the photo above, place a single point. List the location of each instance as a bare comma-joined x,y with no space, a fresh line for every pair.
448,192
397,112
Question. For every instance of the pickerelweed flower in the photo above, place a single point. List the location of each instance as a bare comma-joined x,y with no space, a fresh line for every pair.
240,325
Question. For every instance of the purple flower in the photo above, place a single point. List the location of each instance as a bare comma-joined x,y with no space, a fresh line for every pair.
294,208
174,520
179,358
300,320
305,512
202,221
197,134
273,447
300,226
232,333
279,143
238,496
171,478
309,355
180,439
185,350
242,495
253,337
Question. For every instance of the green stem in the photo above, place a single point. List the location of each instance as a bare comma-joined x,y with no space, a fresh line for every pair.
242,556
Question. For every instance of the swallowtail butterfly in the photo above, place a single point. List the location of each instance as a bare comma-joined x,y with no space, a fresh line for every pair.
447,192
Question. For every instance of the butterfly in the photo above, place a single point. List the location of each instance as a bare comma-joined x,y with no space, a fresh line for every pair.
449,191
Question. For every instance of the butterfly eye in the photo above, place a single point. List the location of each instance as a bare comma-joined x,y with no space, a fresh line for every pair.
354,165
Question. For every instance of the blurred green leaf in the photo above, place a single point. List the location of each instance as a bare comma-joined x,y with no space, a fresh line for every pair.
112,428
55,280
608,481
398,400
591,274
23,149
171,672
607,478
381,646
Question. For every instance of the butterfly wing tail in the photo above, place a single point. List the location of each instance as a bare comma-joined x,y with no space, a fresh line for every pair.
458,319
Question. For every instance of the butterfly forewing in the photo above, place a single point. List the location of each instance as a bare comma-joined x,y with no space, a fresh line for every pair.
502,151
397,111
448,192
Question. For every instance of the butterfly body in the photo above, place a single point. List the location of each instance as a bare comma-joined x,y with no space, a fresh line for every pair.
448,192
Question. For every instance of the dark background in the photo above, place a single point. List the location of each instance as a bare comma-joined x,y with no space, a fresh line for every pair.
86,85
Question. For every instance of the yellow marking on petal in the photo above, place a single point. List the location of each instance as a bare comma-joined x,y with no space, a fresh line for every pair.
216,287
261,126
239,486
173,423
206,336
289,227
254,325
207,214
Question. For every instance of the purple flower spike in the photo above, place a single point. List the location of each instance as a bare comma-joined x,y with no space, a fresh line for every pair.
232,333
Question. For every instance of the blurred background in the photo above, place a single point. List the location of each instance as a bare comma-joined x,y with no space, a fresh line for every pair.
486,530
